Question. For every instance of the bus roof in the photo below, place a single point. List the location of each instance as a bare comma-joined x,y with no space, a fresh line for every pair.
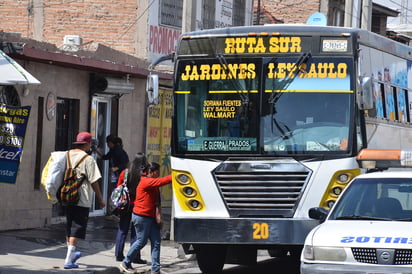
284,29
362,36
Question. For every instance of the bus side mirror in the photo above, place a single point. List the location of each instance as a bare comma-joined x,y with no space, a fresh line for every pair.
365,93
152,89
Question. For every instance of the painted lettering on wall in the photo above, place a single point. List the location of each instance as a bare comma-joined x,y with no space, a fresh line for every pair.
163,40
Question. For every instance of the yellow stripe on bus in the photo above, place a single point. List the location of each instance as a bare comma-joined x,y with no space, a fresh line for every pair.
233,91
319,91
267,91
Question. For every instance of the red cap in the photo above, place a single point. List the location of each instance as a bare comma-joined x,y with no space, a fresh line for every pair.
83,138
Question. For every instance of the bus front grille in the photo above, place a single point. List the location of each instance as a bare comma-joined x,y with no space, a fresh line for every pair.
263,189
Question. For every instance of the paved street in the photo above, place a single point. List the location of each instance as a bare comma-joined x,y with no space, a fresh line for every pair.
43,250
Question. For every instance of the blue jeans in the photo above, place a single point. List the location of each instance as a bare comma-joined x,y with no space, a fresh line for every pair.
122,231
146,228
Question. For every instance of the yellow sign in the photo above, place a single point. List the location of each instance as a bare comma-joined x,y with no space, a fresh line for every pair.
275,71
263,45
158,139
315,70
219,72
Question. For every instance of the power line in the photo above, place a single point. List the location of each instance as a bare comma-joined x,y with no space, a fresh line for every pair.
135,22
404,9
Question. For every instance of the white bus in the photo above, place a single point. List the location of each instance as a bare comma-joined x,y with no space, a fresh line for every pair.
267,123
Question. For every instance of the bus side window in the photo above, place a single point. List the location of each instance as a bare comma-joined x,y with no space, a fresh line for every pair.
402,110
381,112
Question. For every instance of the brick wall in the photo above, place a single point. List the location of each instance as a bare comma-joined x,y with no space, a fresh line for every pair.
289,11
112,23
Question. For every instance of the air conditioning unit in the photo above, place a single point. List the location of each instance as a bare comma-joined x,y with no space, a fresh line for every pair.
108,85
72,40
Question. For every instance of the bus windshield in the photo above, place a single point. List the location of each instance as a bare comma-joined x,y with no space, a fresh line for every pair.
264,105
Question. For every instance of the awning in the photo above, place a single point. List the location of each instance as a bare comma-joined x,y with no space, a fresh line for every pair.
11,73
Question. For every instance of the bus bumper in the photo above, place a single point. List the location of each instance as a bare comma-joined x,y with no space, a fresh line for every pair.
242,231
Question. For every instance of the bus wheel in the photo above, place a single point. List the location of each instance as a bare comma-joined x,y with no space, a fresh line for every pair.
210,258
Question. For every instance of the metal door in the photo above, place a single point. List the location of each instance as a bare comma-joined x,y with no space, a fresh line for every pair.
100,128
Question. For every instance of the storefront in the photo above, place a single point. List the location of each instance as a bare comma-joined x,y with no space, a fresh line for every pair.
101,91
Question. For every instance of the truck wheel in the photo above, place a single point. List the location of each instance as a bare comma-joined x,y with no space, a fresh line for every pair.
210,258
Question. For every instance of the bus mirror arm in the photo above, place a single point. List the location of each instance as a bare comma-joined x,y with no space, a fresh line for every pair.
161,59
365,93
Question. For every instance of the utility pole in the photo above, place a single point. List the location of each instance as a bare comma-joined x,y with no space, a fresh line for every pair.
258,13
366,16
348,17
404,12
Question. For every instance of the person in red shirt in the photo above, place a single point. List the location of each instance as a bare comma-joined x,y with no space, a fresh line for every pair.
125,216
144,218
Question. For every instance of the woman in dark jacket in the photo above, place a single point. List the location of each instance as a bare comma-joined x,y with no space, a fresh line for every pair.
117,155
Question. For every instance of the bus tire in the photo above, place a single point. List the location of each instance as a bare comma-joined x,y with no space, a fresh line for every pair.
210,258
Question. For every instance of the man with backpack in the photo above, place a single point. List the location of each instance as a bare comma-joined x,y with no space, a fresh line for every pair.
77,214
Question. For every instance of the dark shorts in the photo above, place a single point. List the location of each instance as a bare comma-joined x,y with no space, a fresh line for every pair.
76,221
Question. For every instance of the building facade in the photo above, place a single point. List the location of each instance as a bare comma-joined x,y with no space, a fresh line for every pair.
92,60
71,98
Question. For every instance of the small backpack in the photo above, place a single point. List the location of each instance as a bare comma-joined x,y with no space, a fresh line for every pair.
120,195
68,193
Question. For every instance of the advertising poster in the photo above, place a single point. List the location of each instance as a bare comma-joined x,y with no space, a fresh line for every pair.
158,139
165,27
13,124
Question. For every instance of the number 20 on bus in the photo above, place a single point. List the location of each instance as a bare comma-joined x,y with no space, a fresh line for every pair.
260,231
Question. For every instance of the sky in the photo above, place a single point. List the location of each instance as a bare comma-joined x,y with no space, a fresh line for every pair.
397,5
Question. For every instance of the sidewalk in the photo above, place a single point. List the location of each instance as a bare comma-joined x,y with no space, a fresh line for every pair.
43,250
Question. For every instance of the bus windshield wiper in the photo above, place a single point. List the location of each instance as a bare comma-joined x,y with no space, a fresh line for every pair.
284,134
361,217
275,96
223,62
283,85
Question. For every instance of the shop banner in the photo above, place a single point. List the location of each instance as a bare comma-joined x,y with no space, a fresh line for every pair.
13,124
158,138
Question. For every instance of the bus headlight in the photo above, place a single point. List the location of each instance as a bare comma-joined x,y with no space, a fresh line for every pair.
337,190
186,192
344,178
194,204
330,203
183,179
336,185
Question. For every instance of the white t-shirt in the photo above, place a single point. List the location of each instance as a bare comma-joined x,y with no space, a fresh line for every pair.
88,169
